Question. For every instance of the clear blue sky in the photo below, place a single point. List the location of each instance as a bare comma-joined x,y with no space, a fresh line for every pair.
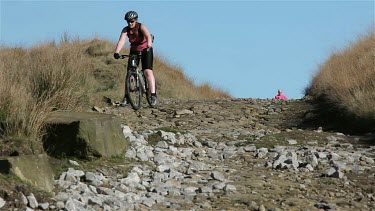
249,48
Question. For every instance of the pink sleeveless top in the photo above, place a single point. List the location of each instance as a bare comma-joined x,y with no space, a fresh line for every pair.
280,96
137,43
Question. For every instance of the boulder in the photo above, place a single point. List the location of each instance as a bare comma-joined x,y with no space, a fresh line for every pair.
34,169
84,135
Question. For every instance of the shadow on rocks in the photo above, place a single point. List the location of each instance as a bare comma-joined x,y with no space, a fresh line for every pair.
336,119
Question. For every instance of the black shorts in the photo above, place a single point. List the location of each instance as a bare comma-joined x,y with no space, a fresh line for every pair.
147,58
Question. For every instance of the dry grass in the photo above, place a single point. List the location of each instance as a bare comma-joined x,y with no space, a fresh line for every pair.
35,81
346,81
71,75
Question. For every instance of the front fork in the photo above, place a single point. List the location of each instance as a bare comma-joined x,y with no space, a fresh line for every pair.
131,71
143,82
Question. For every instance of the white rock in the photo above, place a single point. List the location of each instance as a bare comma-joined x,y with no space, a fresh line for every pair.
184,111
2,202
24,199
319,130
75,163
33,203
217,176
126,129
292,142
44,206
230,188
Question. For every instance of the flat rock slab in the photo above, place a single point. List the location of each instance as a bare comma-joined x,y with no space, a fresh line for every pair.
34,169
84,135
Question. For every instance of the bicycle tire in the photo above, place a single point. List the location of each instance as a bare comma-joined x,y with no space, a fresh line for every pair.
133,89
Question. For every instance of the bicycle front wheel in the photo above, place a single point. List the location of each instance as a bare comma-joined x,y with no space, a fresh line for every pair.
133,89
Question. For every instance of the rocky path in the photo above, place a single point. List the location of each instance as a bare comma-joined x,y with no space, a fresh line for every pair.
233,154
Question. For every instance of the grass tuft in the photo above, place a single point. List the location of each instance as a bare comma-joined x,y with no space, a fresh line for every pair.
345,83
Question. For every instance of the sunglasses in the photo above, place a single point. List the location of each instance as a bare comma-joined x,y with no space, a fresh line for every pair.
132,21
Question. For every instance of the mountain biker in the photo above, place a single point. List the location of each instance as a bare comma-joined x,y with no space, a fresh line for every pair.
140,41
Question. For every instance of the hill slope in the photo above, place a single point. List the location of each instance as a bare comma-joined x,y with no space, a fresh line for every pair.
72,75
171,80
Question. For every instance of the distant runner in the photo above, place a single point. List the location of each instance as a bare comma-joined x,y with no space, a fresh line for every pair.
280,95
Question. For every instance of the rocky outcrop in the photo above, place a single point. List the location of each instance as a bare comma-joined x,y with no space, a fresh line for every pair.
33,169
84,135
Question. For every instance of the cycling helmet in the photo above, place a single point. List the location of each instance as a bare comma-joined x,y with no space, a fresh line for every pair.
131,15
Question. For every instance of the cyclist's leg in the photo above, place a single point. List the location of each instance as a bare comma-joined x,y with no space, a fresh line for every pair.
147,63
147,67
124,100
152,98
150,80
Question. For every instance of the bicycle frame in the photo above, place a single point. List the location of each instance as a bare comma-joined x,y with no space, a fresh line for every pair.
134,67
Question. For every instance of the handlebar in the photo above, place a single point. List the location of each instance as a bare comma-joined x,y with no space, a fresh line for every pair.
131,55
137,55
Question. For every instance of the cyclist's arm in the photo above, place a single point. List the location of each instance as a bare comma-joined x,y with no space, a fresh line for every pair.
121,41
147,34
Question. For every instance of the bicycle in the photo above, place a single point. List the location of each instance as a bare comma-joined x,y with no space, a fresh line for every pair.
136,83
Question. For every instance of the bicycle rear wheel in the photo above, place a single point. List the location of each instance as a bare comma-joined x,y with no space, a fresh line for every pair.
133,89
